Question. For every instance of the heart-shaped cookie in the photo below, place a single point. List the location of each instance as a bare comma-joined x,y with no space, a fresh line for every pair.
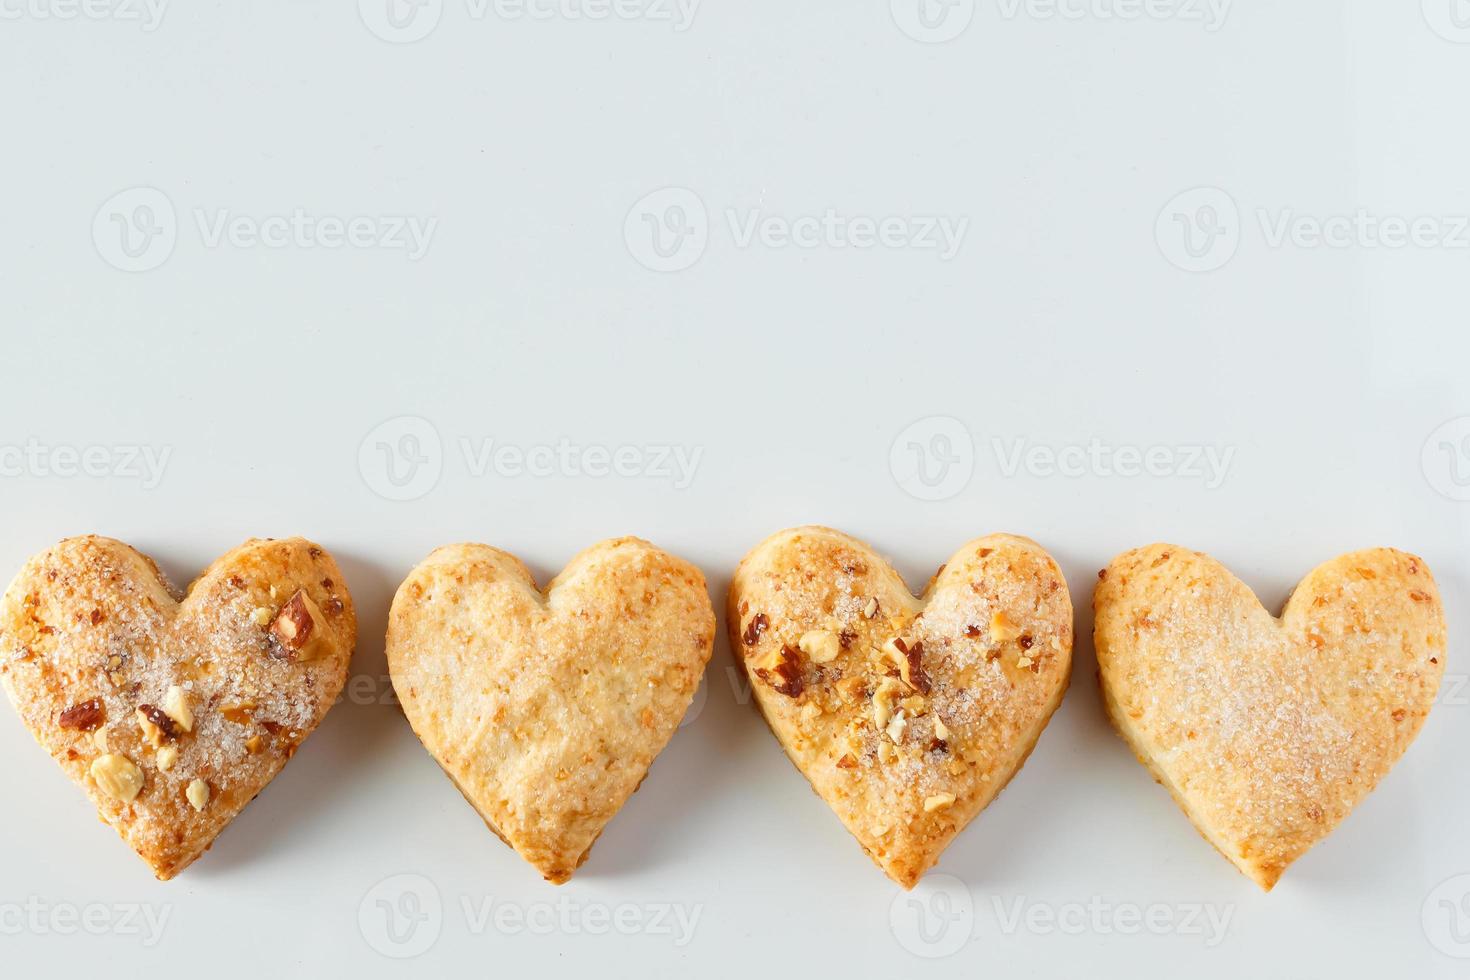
1268,731
547,709
907,715
174,713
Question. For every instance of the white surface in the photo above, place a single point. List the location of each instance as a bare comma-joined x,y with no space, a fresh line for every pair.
532,318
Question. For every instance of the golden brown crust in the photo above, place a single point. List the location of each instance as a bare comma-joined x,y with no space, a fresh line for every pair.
984,661
546,710
1268,731
93,623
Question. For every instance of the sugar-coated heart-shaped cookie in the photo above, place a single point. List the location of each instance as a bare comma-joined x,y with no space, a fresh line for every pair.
1268,731
907,715
171,711
547,709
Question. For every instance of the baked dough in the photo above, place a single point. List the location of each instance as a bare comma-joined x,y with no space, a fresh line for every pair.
907,715
172,712
1268,731
547,709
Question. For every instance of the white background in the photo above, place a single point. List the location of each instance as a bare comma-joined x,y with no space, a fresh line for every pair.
1066,317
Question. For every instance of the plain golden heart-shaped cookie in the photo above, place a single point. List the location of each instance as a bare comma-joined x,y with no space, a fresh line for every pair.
173,713
547,709
907,715
1268,731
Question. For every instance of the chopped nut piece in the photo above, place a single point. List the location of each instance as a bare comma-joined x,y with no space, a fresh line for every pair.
755,628
116,776
99,739
157,726
821,645
914,705
912,669
939,801
852,688
785,665
166,757
886,752
84,717
1002,630
810,712
870,609
896,726
1024,662
883,701
255,745
261,616
198,794
297,632
908,659
237,711
941,731
176,706
847,762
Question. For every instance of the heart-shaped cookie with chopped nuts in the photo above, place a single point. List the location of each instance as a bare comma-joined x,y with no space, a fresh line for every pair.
172,712
546,709
908,715
1266,730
